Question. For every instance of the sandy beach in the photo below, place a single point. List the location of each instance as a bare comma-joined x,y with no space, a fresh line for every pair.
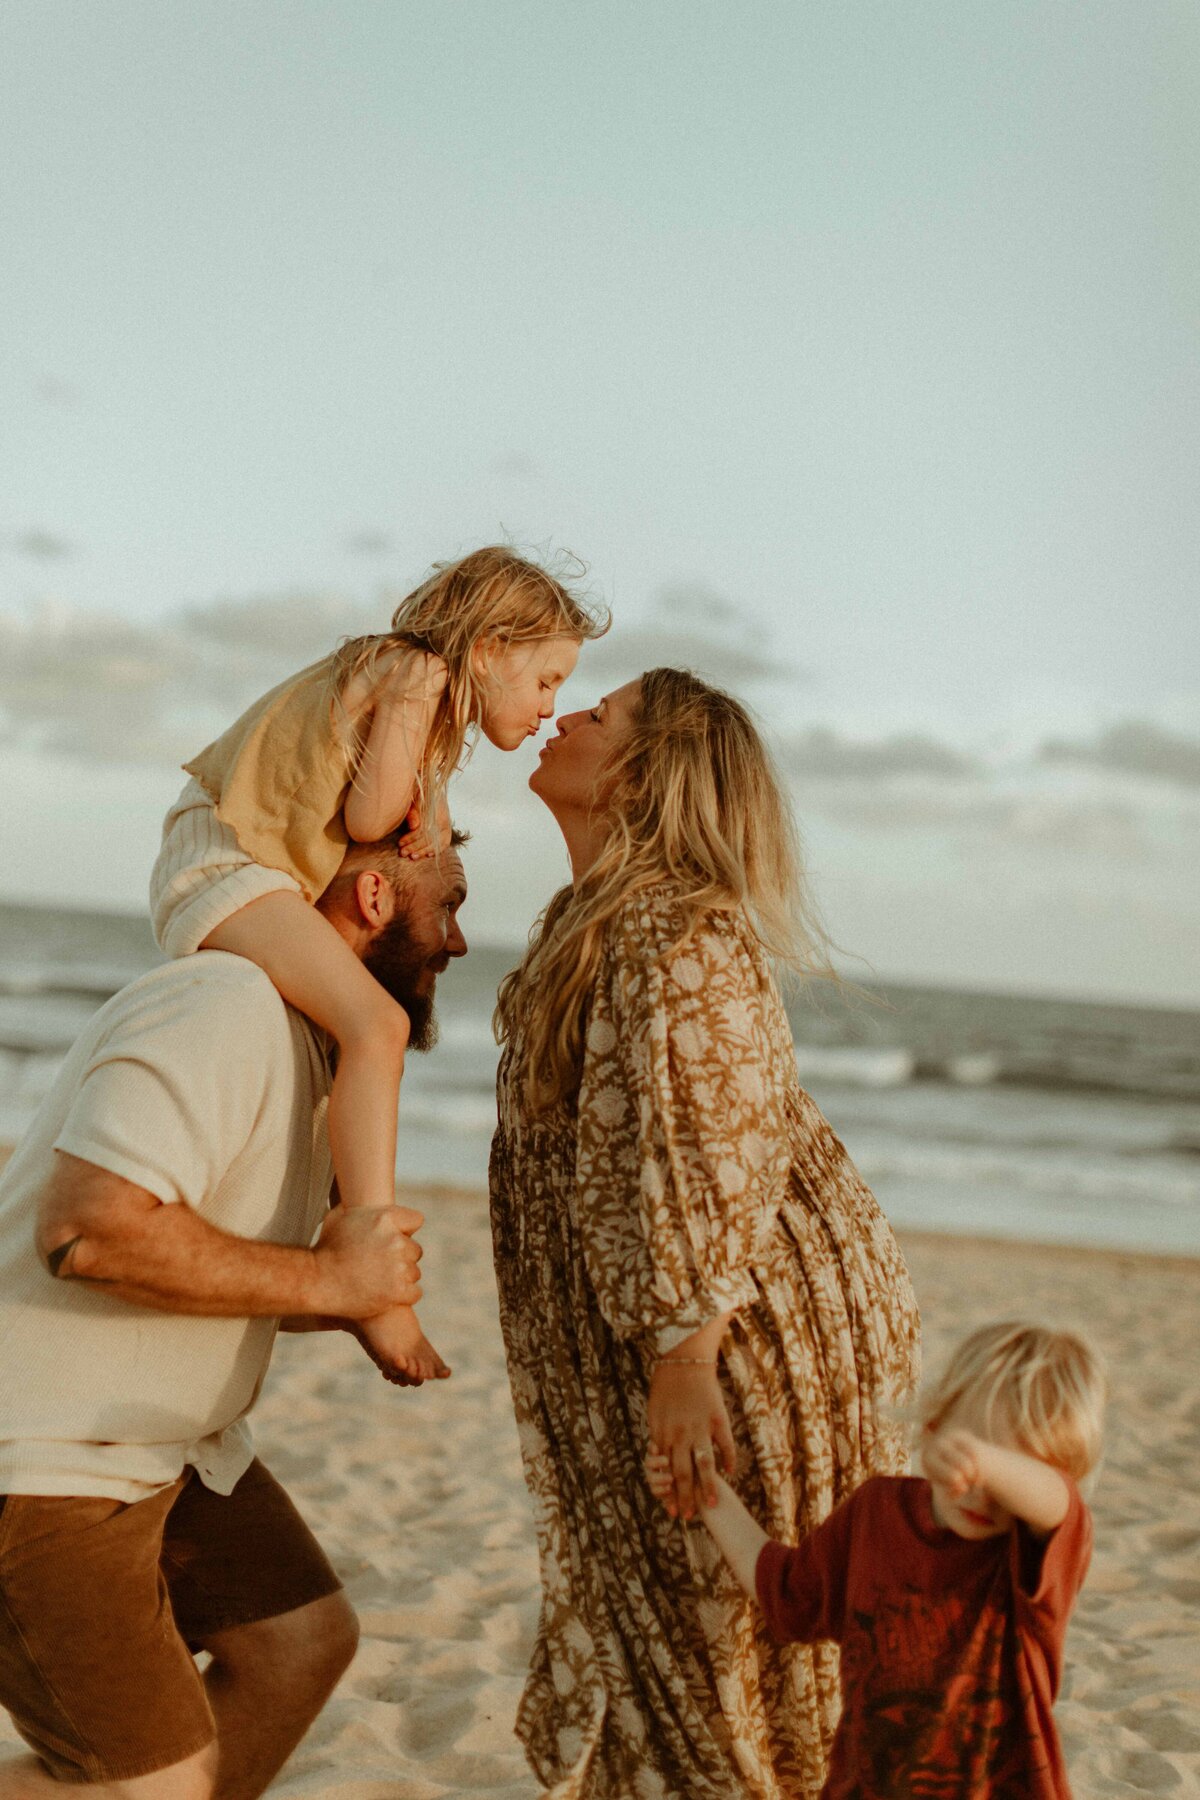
418,1497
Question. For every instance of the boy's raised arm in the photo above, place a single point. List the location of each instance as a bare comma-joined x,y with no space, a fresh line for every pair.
1029,1489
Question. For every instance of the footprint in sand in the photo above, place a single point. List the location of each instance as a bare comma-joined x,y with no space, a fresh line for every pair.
1145,1772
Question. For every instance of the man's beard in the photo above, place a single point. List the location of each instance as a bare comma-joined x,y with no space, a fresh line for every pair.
397,965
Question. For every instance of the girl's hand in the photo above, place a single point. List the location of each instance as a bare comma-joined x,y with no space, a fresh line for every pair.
414,842
430,675
954,1459
417,675
690,1427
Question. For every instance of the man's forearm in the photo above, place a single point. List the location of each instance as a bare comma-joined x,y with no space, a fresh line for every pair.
171,1259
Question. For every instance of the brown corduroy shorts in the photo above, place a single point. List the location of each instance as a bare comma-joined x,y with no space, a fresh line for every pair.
102,1604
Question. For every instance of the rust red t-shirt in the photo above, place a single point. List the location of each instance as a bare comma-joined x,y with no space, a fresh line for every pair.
951,1650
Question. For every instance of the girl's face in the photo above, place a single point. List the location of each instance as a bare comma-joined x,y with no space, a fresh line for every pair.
571,760
520,684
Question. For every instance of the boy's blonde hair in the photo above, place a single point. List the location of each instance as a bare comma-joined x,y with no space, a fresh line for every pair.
1047,1387
492,595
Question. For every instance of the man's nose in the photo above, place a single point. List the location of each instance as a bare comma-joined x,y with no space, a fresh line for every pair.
456,943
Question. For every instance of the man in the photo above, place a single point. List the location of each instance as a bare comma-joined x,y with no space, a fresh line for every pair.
156,1224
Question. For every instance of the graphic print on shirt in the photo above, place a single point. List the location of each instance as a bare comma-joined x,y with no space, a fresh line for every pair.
936,1718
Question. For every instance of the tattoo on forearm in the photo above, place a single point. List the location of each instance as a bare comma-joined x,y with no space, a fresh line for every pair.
59,1261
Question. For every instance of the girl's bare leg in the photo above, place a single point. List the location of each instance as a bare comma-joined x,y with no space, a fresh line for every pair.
316,971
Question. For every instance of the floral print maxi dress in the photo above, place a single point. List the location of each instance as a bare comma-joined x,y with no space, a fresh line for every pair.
694,1176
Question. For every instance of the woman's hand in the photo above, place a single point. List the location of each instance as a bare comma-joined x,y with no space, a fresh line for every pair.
690,1427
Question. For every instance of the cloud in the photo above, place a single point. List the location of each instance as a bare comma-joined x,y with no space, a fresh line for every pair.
368,542
1134,747
43,546
967,821
107,691
960,803
516,466
284,630
691,626
52,390
824,755
92,687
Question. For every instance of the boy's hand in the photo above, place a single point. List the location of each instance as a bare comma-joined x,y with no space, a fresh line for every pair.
658,1477
955,1459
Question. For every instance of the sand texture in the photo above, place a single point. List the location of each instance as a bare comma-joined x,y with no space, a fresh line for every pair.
418,1498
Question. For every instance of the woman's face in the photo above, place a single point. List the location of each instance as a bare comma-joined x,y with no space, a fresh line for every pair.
570,760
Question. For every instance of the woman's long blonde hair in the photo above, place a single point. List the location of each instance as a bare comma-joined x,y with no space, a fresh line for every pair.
690,797
491,593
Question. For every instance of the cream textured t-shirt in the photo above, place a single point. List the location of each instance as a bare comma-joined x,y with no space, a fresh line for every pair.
199,1084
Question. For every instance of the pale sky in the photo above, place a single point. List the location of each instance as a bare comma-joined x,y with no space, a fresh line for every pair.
860,339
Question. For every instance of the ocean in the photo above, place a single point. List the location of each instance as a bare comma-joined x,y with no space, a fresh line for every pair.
1057,1121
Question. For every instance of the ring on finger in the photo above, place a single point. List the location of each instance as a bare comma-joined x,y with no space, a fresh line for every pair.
704,1455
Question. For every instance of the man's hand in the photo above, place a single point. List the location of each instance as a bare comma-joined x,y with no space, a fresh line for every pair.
367,1261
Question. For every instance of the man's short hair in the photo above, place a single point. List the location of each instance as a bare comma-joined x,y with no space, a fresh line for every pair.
384,856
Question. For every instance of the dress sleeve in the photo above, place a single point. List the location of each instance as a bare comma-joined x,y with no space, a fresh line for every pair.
682,1146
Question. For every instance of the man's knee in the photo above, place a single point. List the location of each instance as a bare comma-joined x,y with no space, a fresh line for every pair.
313,1645
335,1639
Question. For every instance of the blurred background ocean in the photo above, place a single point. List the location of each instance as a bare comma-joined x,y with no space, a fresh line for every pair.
1052,1120
856,351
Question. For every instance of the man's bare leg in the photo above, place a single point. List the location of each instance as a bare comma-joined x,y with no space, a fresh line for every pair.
191,1779
266,1684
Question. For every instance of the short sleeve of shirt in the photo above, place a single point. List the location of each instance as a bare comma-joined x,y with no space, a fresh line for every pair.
802,1591
1050,1572
178,1075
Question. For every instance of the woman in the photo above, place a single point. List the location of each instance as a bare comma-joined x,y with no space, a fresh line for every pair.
685,1253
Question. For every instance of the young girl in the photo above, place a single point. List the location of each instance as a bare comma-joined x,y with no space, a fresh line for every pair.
355,747
949,1596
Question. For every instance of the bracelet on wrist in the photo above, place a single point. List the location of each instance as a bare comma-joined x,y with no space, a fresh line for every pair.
691,1362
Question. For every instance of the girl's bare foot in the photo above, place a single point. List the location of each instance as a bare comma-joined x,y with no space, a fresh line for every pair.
396,1338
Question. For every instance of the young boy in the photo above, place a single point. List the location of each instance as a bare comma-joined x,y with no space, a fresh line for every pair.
949,1596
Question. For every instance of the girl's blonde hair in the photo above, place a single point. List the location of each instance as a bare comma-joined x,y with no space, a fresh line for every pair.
491,594
1047,1387
689,796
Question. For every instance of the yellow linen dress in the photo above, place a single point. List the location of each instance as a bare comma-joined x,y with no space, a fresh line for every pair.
694,1175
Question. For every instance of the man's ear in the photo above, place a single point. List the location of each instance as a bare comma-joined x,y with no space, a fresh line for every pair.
376,901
